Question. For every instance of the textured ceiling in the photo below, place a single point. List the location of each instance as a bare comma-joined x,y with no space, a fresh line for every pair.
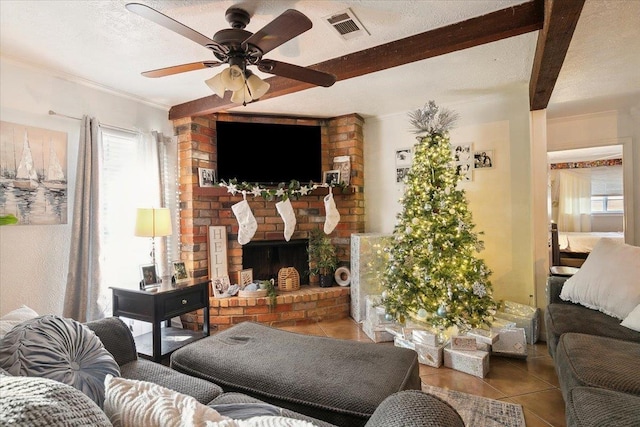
102,43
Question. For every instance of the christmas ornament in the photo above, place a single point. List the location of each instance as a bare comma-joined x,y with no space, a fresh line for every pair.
442,311
388,317
422,313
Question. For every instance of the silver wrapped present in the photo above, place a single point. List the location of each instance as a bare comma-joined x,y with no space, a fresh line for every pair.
484,336
470,362
430,355
376,333
511,342
463,342
375,313
523,316
401,342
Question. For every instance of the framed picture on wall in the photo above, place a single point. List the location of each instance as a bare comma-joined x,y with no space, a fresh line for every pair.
483,159
404,157
463,160
206,177
401,174
343,164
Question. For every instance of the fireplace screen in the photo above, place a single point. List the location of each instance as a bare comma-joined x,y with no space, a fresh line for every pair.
266,258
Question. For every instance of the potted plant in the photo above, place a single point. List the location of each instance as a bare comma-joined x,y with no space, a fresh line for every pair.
322,257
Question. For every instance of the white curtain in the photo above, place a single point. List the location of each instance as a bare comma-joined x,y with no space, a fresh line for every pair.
83,280
574,200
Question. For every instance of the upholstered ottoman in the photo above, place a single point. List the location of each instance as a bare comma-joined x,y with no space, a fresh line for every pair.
589,360
341,382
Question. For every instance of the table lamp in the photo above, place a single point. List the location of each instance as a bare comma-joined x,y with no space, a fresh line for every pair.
153,222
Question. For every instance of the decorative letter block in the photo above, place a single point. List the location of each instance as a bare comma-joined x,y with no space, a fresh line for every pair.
368,260
470,362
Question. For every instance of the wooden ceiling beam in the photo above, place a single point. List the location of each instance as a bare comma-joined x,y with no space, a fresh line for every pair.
560,20
499,25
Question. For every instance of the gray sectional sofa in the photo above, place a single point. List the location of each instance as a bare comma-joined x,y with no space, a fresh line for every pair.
597,361
25,399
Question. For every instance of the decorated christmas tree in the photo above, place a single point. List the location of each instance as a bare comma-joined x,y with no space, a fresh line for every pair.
433,274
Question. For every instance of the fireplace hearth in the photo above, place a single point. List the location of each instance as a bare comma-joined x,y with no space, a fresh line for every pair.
267,257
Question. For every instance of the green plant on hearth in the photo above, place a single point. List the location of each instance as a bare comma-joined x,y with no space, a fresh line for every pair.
272,294
322,257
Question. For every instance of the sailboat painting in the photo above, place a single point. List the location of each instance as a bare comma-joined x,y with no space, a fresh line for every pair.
33,174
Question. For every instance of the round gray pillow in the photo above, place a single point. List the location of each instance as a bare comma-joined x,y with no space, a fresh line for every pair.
60,349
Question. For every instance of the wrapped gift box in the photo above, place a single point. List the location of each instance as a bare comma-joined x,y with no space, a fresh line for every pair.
396,330
427,355
511,342
376,333
523,316
463,342
375,313
484,336
474,362
430,355
368,259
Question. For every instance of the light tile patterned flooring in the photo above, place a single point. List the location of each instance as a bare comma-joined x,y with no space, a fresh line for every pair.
531,383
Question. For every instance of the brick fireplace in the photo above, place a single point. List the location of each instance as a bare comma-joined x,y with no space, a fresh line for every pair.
207,206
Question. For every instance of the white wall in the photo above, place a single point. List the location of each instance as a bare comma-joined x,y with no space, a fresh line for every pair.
34,258
606,128
500,198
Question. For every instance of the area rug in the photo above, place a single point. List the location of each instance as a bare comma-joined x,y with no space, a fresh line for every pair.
479,411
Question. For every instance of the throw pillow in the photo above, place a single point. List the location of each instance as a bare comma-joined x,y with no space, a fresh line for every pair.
30,401
14,318
60,349
133,403
140,403
632,321
608,279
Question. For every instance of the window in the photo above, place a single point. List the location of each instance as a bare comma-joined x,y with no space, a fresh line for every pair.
130,176
606,190
607,204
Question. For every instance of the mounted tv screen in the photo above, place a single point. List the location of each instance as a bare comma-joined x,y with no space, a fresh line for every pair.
268,153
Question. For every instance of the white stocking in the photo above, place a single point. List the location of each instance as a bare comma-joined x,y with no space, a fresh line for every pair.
332,215
246,221
288,216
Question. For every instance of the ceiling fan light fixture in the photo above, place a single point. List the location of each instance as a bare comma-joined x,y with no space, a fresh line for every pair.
257,86
216,85
241,96
233,78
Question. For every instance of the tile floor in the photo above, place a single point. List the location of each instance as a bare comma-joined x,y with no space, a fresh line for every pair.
531,383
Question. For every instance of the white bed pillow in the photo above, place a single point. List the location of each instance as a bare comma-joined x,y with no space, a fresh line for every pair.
632,321
608,281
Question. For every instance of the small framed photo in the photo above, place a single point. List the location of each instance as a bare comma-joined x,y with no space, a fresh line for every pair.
483,159
149,275
404,157
331,177
220,286
462,153
245,277
180,272
206,177
401,174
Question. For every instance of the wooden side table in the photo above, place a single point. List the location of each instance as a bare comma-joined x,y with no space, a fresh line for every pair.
161,305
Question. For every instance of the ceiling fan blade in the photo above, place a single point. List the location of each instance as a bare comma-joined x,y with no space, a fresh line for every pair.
288,25
169,23
296,72
176,69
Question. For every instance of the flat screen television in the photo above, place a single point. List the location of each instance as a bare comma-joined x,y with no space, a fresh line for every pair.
268,153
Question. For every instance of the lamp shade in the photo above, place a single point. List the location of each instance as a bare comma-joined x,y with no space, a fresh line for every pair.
216,85
232,78
153,222
257,86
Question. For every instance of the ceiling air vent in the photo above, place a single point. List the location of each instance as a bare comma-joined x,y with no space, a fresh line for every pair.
346,24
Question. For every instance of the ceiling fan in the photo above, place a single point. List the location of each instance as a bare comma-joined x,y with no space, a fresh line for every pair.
240,48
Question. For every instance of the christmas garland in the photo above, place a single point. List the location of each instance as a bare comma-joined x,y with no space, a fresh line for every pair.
293,190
